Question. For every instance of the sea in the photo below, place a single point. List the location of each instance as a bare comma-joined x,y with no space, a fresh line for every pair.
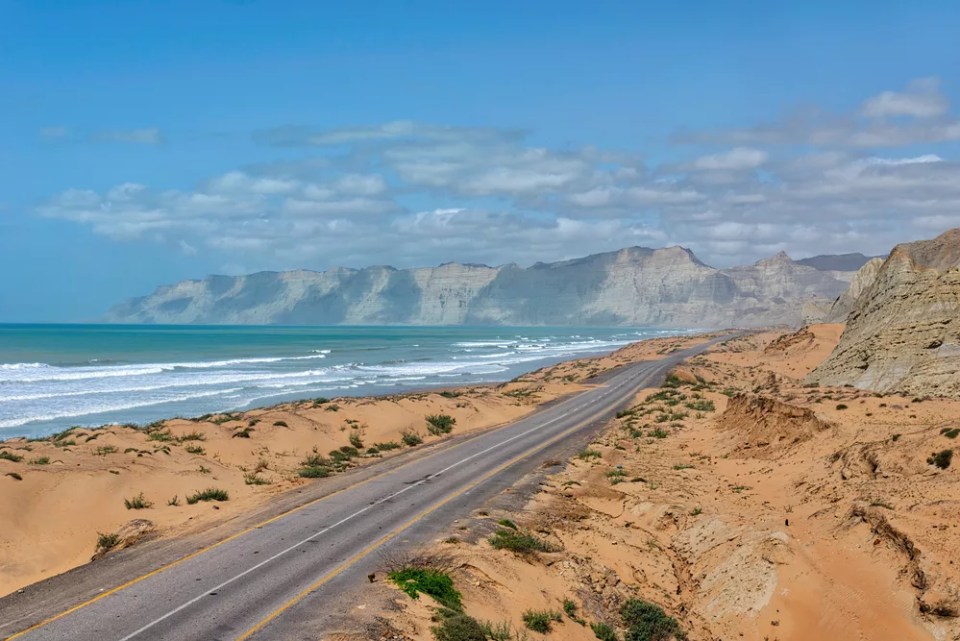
57,376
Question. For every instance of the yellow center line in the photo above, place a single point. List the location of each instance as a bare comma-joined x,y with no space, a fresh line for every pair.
393,533
204,550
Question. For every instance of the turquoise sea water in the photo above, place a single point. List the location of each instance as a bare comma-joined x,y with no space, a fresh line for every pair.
55,376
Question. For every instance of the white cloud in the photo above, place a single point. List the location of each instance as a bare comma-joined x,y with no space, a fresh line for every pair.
738,158
922,99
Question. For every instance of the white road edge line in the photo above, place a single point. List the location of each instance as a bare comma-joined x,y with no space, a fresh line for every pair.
285,551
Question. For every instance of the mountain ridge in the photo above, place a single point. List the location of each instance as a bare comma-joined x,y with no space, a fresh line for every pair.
667,287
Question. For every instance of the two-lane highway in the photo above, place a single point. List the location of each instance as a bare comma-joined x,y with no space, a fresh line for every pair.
250,586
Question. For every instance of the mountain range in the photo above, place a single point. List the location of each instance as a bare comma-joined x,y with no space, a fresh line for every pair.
635,286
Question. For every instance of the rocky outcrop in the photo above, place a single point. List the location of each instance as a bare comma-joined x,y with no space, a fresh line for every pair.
767,427
861,281
904,332
635,286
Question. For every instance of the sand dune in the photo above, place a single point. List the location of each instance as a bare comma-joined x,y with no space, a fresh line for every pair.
746,504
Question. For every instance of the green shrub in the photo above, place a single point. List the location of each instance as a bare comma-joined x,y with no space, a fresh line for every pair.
10,456
588,454
438,424
255,479
314,472
107,541
841,406
411,439
540,620
951,432
941,459
604,632
701,405
356,439
242,433
194,449
137,503
280,424
648,622
433,583
162,436
459,627
387,446
209,494
508,523
519,542
40,460
192,436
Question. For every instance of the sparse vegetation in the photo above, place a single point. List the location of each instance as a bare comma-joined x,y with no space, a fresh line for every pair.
255,479
508,523
603,631
430,581
174,502
280,424
589,454
7,455
648,622
103,450
107,541
209,494
438,424
387,446
457,626
541,620
519,542
701,405
194,449
411,438
356,439
841,406
40,460
941,459
950,432
137,503
243,433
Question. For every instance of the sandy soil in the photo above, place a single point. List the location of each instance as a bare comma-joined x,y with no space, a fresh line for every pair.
58,495
744,503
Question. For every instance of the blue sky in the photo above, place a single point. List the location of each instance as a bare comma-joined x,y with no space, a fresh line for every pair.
146,142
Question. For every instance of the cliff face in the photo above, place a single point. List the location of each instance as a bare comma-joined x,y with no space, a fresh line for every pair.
904,331
861,281
635,286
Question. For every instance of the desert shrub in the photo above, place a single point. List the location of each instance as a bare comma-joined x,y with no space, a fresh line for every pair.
430,581
162,436
192,436
603,632
540,620
941,459
450,394
588,454
438,424
194,449
107,541
280,424
648,622
40,460
508,523
701,405
311,472
519,542
255,479
950,432
209,494
356,439
242,433
137,503
10,456
387,446
411,438
459,627
841,406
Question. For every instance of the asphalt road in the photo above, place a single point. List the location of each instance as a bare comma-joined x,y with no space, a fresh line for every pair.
274,581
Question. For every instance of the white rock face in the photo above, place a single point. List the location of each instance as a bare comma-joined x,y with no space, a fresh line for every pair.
860,282
635,286
904,331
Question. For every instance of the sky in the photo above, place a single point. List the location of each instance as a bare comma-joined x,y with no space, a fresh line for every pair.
142,143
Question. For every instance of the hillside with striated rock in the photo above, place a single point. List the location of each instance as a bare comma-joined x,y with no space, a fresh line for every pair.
635,286
861,281
904,331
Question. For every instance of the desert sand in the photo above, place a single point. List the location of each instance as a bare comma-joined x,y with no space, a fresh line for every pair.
59,495
743,502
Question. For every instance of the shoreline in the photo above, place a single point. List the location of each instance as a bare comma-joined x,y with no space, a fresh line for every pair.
65,491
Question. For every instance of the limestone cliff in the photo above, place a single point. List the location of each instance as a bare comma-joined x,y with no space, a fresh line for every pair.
904,332
861,281
635,286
